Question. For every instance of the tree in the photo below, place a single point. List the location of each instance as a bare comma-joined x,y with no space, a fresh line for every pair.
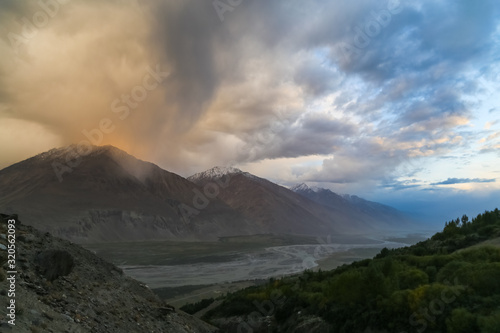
462,320
383,253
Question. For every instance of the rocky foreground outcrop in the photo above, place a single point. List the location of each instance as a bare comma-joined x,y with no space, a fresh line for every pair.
61,287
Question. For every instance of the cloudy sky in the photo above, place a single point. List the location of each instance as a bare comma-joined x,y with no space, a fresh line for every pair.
396,101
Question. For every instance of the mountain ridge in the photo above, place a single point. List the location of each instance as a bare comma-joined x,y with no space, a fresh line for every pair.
106,191
267,203
379,214
111,196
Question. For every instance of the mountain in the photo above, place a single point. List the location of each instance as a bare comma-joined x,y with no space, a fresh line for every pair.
62,287
217,172
378,216
109,195
275,208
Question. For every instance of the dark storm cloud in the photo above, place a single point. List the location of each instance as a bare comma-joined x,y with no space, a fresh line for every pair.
313,134
185,33
269,81
316,80
316,123
15,7
12,13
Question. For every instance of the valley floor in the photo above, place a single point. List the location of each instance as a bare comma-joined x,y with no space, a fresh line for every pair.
185,272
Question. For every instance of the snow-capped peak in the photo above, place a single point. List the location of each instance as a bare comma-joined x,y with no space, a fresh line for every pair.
304,188
300,187
318,189
220,171
215,172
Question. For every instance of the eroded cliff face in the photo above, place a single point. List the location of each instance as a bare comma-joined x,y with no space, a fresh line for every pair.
60,287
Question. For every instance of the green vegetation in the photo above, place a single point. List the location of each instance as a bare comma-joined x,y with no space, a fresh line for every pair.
443,284
182,253
198,306
168,293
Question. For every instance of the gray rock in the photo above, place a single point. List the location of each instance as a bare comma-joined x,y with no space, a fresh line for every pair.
27,238
68,318
54,263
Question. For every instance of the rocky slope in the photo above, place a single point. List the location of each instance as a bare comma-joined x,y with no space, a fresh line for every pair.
61,287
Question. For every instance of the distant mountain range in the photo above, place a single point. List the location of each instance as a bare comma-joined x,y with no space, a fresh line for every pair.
271,207
376,215
109,195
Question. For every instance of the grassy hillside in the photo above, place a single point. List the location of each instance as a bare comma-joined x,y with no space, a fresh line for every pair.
448,283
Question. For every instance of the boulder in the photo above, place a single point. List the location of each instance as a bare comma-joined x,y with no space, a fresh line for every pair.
52,264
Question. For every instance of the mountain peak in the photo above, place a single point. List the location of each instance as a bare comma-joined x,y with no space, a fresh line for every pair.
215,172
222,171
75,149
300,187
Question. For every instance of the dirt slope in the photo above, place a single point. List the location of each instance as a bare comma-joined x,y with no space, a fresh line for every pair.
61,287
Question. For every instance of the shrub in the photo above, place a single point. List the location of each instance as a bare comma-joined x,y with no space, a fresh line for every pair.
412,278
198,306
